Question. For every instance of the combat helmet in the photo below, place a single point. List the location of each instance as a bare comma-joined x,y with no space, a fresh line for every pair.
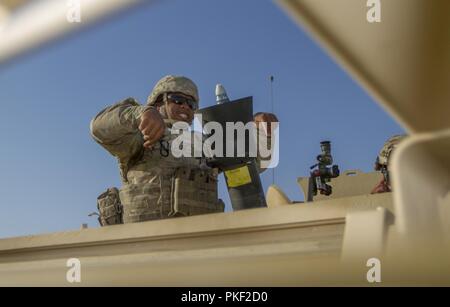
387,149
174,84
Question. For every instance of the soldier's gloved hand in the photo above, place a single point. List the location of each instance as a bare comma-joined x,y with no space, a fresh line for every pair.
152,127
267,118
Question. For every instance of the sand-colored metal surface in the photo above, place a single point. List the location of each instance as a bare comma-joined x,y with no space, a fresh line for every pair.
12,4
365,233
403,61
421,176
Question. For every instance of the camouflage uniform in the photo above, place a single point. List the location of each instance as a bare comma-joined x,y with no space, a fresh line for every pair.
156,185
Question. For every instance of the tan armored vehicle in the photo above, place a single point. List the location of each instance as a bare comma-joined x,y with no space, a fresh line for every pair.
351,237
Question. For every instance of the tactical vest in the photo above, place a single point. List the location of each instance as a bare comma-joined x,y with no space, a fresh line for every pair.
159,185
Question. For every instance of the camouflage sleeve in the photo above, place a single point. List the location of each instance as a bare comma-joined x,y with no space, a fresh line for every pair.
116,129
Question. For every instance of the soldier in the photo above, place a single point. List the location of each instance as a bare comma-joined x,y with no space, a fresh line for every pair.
156,185
382,163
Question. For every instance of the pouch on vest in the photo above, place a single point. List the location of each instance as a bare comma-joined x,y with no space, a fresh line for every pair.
109,208
194,192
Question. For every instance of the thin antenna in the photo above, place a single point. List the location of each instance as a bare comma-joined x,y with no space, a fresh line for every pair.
273,112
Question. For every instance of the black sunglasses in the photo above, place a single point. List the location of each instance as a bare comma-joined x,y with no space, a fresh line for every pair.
178,99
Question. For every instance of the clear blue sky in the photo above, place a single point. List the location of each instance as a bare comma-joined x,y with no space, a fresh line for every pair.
51,171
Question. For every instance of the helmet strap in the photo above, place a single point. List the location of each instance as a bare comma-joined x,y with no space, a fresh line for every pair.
163,109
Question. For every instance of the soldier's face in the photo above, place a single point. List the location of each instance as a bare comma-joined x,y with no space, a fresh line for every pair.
179,109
